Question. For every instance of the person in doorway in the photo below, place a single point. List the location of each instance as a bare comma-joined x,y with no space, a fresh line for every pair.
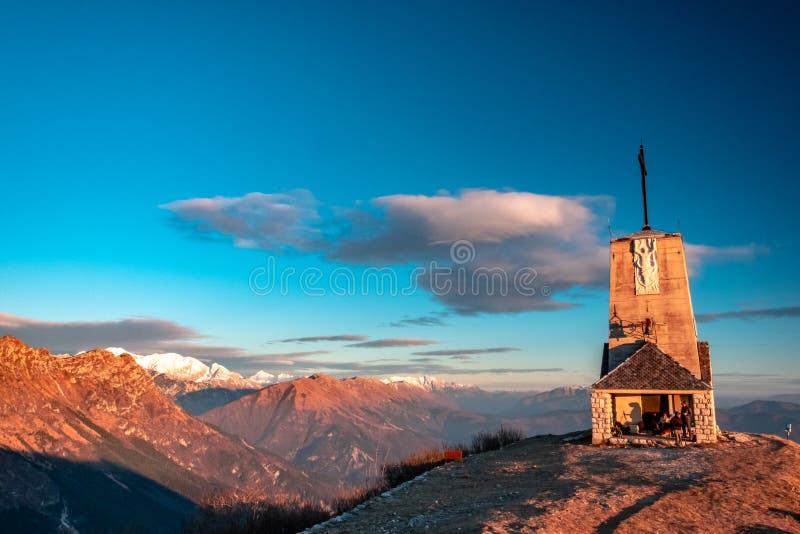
664,423
675,424
618,429
686,419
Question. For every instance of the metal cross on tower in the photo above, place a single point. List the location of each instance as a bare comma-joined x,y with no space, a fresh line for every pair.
643,168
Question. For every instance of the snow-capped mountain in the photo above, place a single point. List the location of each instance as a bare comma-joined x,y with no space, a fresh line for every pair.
264,378
465,397
185,368
428,383
195,386
175,365
95,428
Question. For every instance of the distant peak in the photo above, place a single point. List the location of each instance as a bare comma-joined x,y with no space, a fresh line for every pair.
430,383
321,376
11,344
119,351
185,368
11,340
263,377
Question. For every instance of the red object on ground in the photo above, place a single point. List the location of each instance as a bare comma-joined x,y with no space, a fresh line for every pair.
453,455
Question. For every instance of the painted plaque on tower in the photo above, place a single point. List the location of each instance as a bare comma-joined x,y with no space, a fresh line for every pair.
645,266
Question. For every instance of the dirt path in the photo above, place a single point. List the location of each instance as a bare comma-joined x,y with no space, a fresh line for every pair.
544,484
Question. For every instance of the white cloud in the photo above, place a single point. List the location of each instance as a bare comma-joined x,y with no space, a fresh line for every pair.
314,339
393,342
419,227
138,333
256,220
555,242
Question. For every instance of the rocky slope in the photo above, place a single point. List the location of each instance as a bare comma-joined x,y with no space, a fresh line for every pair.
200,397
101,418
346,428
545,484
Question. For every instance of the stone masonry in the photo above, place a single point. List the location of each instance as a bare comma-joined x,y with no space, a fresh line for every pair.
704,417
602,417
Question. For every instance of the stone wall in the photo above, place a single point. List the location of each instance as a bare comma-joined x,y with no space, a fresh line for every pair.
602,417
702,408
705,419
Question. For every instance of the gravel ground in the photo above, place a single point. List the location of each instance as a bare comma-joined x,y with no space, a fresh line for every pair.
544,484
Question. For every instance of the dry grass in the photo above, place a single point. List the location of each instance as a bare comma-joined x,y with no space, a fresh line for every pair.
395,474
350,498
237,512
240,512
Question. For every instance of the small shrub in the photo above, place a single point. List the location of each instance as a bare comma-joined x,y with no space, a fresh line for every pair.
395,474
491,441
509,435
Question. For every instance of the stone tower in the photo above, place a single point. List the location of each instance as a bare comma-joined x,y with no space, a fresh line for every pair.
649,299
653,361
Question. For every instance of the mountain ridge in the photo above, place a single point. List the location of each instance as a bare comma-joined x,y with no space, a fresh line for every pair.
186,368
98,409
347,428
333,425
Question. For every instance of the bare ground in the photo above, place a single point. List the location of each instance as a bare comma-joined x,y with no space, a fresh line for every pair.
545,484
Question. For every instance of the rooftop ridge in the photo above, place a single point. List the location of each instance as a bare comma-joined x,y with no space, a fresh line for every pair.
688,381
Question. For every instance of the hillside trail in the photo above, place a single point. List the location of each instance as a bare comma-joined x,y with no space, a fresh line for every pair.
544,484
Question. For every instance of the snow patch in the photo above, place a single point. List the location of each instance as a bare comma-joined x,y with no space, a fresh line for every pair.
428,383
65,526
115,480
186,368
176,365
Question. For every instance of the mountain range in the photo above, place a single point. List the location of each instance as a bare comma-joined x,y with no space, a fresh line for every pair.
763,416
107,423
195,386
465,397
73,428
347,428
189,369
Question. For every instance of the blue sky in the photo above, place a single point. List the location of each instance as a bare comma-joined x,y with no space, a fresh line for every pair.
359,118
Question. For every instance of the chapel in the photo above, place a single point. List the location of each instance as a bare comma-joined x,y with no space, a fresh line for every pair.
653,361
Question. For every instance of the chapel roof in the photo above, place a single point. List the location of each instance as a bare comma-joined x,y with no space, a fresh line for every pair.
650,368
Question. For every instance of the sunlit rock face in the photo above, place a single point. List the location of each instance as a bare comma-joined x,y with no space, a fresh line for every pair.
347,428
105,414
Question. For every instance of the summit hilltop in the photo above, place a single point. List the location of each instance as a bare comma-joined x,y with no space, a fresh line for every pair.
546,484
